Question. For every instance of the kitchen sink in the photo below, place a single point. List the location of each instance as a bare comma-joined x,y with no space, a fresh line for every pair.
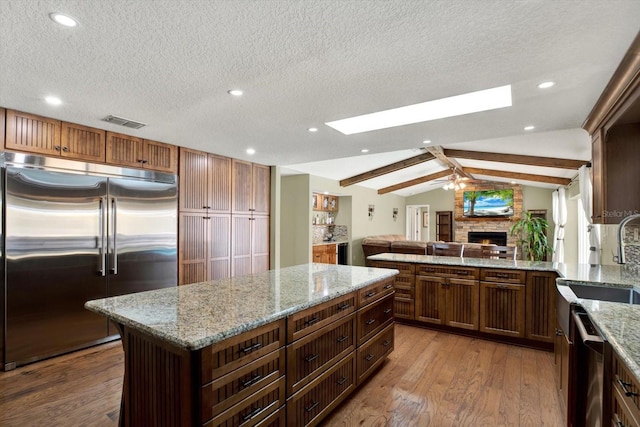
606,293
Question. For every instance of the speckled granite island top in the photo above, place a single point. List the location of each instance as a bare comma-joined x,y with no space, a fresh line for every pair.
618,322
197,315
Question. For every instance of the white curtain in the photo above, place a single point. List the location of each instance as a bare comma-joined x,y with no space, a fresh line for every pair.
559,203
586,195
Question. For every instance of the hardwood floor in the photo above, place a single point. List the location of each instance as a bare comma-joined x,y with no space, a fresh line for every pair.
431,379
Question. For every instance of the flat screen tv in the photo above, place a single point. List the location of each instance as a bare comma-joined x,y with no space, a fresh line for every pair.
488,203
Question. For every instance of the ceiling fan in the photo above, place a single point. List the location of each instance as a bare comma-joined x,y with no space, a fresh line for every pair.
455,181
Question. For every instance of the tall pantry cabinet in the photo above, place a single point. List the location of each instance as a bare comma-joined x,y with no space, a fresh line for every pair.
223,218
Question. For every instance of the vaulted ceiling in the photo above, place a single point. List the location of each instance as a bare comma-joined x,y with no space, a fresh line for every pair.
304,63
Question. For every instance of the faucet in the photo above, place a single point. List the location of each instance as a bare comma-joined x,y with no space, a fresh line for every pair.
621,258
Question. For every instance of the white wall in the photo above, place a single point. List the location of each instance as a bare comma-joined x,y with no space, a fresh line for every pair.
295,221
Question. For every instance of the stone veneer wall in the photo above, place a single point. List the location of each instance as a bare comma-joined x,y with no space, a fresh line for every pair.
464,225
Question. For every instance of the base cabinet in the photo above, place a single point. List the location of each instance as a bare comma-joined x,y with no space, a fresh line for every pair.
405,286
502,302
625,395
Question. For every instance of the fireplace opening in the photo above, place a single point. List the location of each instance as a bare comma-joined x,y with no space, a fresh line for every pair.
488,237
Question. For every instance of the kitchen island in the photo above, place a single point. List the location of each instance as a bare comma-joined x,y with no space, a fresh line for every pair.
213,353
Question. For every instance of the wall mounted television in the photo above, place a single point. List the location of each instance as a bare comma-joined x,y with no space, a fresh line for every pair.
487,203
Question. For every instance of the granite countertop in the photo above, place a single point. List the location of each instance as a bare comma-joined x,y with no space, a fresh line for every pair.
619,323
330,242
197,315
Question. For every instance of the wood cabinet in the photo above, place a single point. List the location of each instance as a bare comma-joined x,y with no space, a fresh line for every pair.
405,288
250,188
325,254
130,151
335,346
502,302
444,226
82,143
227,244
625,394
447,296
324,202
541,306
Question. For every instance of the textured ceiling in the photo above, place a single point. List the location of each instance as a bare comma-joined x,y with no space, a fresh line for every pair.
303,63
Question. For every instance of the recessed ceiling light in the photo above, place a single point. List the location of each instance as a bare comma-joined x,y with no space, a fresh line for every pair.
251,151
529,127
364,150
426,141
65,20
235,92
546,85
313,129
513,182
53,100
458,105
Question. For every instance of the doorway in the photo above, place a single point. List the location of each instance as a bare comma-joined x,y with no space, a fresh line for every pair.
418,222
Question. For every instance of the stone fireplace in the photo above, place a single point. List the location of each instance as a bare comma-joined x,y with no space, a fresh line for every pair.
465,226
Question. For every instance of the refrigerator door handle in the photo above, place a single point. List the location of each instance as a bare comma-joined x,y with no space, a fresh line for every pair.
114,231
103,252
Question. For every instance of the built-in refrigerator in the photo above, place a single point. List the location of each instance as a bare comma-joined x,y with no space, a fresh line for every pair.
75,232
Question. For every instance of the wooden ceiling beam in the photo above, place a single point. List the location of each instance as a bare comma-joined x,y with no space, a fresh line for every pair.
437,152
416,181
550,162
521,176
402,164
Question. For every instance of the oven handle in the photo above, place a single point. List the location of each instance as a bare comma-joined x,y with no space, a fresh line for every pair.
594,342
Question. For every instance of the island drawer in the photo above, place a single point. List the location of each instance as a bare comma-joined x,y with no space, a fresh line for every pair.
318,398
374,292
254,409
237,385
627,384
310,356
315,318
374,318
405,268
277,419
503,275
446,271
232,353
373,353
404,308
621,414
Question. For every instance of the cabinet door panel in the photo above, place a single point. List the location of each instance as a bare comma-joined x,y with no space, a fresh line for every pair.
541,305
430,299
193,182
502,309
241,192
241,245
261,189
193,229
260,244
159,156
220,183
31,133
462,303
219,246
82,142
124,150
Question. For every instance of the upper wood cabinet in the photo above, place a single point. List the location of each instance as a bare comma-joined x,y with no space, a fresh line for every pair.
250,188
33,134
205,182
324,202
130,151
82,142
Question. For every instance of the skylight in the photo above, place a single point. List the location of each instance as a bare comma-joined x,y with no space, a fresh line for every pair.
474,102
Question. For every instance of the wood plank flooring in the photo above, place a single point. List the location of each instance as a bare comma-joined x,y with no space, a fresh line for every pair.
431,379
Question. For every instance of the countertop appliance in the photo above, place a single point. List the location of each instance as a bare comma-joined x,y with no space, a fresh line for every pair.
74,232
343,253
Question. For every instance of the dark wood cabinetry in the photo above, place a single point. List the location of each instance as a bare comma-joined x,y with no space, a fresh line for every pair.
130,151
447,295
541,306
444,226
625,394
502,302
33,134
405,288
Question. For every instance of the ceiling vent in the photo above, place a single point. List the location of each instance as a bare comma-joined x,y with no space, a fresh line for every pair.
124,122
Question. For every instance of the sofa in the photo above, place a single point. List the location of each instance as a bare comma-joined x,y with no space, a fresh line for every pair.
397,243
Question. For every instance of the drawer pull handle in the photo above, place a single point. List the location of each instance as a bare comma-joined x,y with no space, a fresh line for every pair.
389,286
370,294
502,286
369,357
343,338
624,386
387,311
342,380
251,414
311,358
386,343
502,275
313,406
251,348
312,321
559,332
344,306
253,380
370,321
462,272
618,421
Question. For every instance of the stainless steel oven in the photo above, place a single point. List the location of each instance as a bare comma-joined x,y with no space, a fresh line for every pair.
590,381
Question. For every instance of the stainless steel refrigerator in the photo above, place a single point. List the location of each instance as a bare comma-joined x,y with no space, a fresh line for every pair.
75,232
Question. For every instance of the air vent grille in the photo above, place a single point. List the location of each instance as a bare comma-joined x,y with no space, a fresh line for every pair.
124,122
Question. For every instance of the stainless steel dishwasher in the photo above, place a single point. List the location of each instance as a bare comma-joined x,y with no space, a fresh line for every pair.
590,350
